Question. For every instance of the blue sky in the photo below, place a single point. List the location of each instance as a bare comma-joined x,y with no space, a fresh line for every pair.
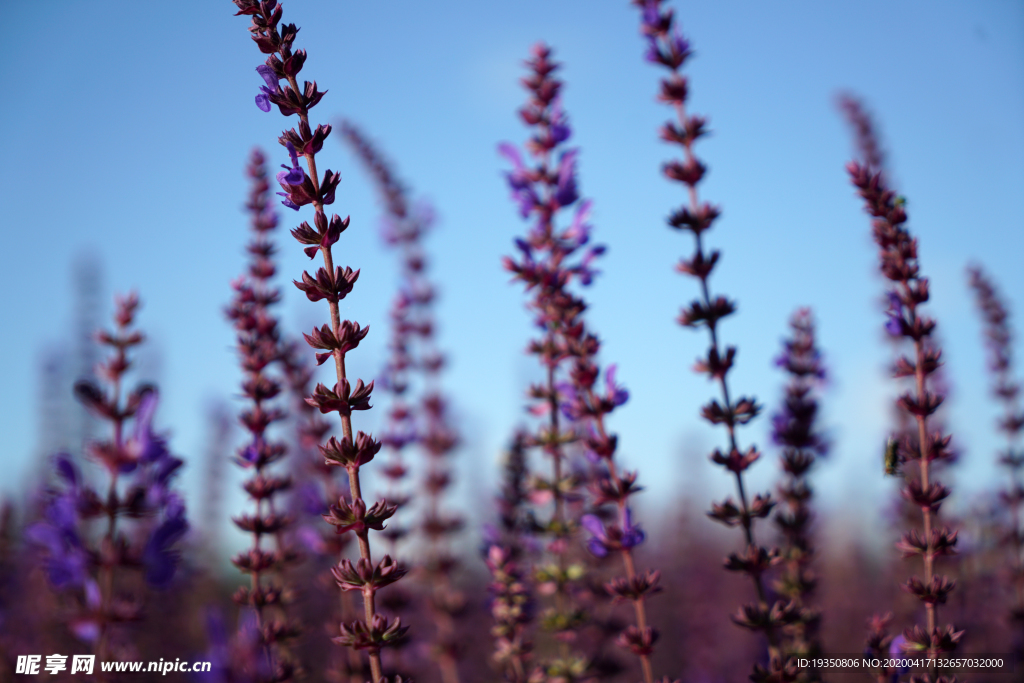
126,126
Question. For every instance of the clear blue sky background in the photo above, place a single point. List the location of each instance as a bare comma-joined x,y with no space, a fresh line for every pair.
125,127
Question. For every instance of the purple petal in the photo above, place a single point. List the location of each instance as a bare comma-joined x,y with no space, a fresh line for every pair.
527,200
93,598
597,548
617,394
252,451
311,501
263,102
86,630
293,154
652,15
653,54
158,558
632,535
510,152
579,230
146,411
566,192
66,469
560,132
45,536
311,538
680,45
269,76
166,466
175,507
592,524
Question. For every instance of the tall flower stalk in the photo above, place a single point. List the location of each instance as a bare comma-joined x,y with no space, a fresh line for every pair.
899,263
510,587
319,488
795,430
305,187
670,50
139,503
417,364
545,266
590,407
259,349
999,339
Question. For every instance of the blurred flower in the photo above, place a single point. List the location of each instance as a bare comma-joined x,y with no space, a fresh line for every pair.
158,558
894,325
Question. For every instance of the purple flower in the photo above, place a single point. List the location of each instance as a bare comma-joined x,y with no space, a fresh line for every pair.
292,176
579,231
218,649
651,16
158,557
311,539
604,540
66,560
653,53
592,437
632,536
566,192
615,394
518,180
66,469
560,130
310,500
147,446
571,404
597,543
896,651
399,438
894,325
87,628
271,88
583,270
251,453
679,44
524,247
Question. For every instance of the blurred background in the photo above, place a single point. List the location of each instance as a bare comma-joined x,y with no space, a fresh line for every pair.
126,126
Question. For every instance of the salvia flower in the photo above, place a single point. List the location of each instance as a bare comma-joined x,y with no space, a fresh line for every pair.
999,338
547,265
923,448
552,260
668,49
271,88
139,498
419,414
604,539
259,349
276,40
795,428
